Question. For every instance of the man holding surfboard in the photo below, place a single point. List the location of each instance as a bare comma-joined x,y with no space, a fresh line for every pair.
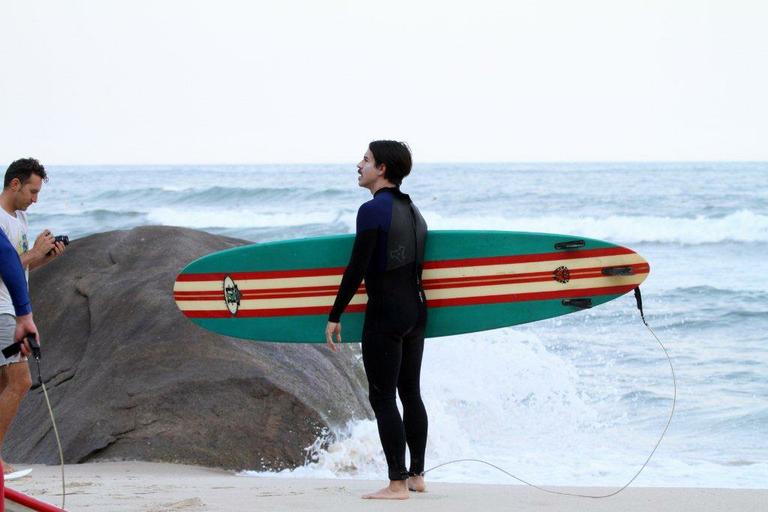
389,253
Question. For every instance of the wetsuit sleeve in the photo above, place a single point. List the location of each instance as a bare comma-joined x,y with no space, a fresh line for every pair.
362,250
12,273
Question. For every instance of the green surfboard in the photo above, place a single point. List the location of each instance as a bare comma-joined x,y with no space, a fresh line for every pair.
474,280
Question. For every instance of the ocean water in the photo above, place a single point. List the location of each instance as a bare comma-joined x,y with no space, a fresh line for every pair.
576,400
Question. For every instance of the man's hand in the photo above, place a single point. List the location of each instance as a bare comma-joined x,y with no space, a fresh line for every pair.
25,326
58,250
44,250
43,245
331,330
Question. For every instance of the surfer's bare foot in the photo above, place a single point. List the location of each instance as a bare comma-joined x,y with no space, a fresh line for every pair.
416,483
396,490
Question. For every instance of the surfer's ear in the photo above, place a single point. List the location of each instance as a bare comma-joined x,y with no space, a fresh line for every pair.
382,168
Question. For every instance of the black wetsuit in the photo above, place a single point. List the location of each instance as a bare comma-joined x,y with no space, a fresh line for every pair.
389,253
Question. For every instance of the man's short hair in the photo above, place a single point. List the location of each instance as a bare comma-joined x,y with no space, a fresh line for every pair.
395,155
23,169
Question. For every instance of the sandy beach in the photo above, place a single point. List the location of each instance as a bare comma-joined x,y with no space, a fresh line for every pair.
159,487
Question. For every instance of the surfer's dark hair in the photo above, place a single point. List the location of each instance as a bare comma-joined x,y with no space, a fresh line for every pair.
395,155
23,169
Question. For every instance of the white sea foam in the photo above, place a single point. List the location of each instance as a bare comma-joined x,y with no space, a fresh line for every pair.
741,226
502,397
499,396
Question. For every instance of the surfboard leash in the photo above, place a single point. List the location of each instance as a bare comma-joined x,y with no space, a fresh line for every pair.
36,356
639,300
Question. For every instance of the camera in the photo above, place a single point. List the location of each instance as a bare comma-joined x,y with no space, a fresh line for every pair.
60,238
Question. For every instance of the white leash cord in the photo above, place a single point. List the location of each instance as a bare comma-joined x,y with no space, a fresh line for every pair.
56,433
666,427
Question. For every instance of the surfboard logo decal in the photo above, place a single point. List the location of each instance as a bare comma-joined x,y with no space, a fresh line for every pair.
232,295
562,274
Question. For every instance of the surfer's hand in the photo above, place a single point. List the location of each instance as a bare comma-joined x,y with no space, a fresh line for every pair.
25,325
333,328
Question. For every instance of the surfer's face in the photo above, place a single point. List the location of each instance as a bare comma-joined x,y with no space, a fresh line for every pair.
368,171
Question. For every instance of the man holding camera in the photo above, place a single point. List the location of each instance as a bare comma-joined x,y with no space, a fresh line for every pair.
23,181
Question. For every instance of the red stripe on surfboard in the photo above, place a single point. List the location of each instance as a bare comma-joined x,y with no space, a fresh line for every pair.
324,290
525,297
639,268
262,296
512,280
467,262
529,258
434,303
255,313
528,277
429,284
320,290
267,274
246,295
272,293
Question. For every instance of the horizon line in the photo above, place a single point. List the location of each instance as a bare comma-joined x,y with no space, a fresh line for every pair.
437,162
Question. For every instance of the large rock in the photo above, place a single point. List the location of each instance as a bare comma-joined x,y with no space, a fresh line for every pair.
130,377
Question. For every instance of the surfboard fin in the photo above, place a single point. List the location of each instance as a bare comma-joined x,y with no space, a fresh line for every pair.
571,244
578,303
617,271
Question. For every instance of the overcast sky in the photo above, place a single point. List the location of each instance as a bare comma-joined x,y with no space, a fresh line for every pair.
190,81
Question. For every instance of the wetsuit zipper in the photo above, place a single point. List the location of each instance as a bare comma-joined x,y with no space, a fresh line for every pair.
416,255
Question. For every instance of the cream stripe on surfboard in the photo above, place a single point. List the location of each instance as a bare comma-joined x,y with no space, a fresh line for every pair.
538,287
440,294
538,266
260,284
220,305
518,269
